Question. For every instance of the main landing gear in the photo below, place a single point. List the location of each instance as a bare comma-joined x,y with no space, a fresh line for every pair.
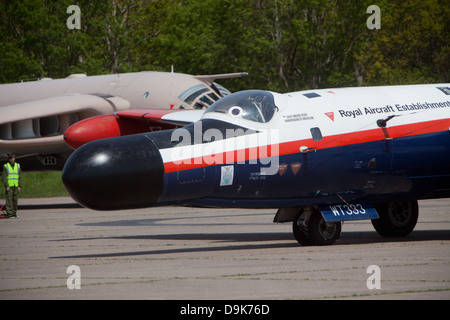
396,219
310,228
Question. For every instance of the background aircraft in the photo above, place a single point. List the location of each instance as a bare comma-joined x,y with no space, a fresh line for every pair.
34,115
321,157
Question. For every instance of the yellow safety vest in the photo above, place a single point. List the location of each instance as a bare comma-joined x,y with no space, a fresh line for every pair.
13,174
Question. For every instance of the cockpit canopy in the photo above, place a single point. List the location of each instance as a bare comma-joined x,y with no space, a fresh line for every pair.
253,105
201,96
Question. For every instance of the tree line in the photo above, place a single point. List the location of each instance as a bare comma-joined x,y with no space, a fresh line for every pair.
284,45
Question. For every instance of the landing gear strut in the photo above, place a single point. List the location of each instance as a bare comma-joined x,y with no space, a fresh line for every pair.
310,228
397,218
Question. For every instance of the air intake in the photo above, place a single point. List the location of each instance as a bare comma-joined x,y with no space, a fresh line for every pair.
37,128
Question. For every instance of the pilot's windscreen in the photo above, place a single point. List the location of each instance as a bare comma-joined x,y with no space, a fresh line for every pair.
253,105
198,97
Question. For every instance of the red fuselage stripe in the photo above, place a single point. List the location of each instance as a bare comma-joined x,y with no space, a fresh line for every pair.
293,147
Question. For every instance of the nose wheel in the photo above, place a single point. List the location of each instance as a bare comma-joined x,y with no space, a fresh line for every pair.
310,228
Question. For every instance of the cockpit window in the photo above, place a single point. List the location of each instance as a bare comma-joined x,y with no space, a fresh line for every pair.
192,97
191,90
199,97
223,91
253,105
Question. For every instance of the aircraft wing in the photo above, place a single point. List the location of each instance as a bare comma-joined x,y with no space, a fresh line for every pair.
41,123
128,122
163,116
211,78
65,104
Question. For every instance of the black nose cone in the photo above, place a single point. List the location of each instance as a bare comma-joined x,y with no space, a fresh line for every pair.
118,173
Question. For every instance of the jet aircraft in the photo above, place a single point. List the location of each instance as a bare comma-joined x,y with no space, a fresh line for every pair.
320,157
35,114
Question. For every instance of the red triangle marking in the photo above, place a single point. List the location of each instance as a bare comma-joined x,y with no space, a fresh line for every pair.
330,115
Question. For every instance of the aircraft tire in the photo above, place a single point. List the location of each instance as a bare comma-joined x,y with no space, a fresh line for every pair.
397,218
323,233
313,230
301,233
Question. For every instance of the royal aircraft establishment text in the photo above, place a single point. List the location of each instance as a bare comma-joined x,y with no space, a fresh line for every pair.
396,108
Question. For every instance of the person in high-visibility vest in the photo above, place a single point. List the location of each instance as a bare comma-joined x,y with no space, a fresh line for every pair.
12,181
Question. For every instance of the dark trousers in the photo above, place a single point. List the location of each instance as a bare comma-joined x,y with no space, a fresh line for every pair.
12,201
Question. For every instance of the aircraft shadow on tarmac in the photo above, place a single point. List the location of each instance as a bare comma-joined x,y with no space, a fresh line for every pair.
49,206
282,240
210,220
